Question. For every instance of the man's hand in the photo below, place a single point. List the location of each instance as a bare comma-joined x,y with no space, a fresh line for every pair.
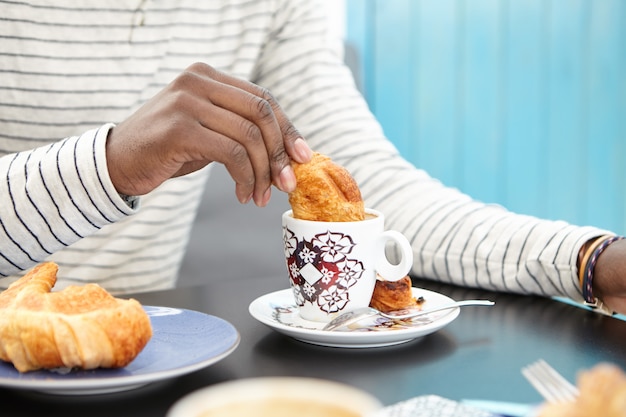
203,116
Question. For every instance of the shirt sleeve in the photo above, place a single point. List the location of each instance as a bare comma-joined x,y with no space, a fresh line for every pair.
53,196
455,238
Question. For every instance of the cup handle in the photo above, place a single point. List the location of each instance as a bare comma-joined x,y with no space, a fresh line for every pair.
386,269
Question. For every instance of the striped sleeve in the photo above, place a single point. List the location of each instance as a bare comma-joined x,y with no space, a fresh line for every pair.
454,238
55,195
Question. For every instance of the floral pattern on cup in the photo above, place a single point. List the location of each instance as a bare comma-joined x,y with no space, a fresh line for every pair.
321,270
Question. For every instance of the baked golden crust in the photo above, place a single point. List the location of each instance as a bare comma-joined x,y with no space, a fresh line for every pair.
394,295
325,192
78,327
602,393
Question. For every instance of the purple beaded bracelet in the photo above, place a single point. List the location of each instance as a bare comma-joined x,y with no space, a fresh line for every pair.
590,300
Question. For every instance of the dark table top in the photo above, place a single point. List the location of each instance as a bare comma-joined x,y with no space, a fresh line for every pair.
477,356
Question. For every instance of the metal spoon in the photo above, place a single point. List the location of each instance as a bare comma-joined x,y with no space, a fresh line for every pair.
358,314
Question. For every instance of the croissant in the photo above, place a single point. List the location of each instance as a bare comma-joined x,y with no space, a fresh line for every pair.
78,327
394,295
325,192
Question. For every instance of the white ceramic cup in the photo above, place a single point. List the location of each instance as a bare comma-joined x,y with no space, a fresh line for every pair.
276,397
333,265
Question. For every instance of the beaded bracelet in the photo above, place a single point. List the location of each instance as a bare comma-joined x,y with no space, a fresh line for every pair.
589,267
585,257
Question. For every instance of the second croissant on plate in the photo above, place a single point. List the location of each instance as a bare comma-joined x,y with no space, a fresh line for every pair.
77,327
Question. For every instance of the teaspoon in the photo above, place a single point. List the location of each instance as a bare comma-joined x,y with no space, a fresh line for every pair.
363,312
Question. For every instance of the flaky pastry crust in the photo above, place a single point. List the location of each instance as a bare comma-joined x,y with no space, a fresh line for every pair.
325,192
394,295
78,327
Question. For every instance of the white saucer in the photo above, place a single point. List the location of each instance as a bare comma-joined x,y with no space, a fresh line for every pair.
279,311
183,341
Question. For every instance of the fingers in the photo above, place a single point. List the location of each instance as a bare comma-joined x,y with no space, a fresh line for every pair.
250,122
270,139
239,144
288,131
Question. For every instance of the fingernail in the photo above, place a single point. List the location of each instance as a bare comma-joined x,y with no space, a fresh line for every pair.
287,179
244,199
266,198
302,150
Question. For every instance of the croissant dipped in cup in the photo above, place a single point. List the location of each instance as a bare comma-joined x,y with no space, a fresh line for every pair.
326,192
78,327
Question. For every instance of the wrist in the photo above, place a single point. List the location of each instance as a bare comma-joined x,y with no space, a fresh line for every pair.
599,271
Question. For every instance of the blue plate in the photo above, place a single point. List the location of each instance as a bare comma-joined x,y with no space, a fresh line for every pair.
183,341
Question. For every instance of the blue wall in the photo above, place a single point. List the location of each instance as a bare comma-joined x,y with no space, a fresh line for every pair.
519,102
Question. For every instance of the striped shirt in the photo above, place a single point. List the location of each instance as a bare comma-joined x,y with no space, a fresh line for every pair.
72,68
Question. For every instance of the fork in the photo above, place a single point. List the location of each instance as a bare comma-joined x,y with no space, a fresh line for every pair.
552,386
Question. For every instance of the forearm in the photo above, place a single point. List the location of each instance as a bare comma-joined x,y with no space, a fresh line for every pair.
54,196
